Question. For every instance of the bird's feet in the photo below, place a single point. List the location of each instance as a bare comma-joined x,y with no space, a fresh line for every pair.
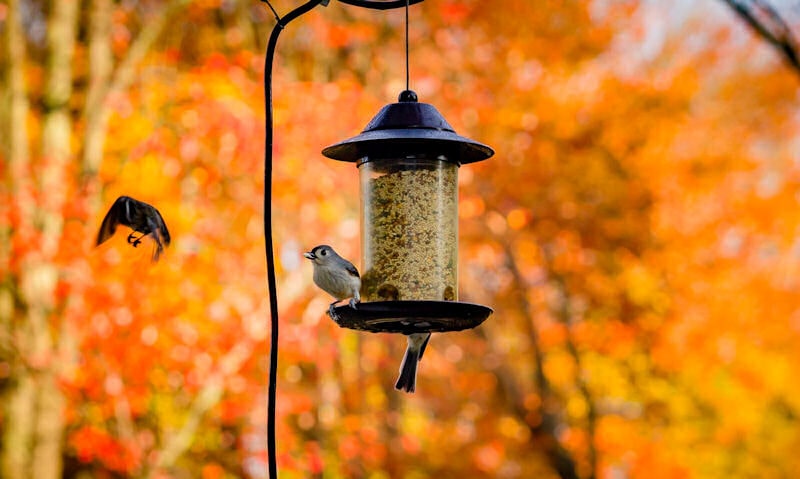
134,240
353,303
332,312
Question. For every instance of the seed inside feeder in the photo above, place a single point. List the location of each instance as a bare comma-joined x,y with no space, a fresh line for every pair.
410,229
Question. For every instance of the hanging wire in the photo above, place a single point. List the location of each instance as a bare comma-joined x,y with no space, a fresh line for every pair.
407,69
269,58
277,17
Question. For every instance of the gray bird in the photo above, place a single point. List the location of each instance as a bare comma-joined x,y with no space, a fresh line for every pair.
335,275
141,217
407,381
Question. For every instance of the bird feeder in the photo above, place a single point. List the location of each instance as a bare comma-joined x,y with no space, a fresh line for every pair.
408,158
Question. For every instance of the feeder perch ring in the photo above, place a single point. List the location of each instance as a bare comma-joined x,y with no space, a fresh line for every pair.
409,317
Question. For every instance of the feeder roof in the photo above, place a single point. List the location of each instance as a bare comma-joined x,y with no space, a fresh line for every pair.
409,127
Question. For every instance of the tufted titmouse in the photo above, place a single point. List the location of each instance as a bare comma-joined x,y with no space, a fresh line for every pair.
408,368
140,217
335,275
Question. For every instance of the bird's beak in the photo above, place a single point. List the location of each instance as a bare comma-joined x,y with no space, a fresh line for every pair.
310,255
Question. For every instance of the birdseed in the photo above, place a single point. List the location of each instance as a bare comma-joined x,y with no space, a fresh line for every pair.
410,218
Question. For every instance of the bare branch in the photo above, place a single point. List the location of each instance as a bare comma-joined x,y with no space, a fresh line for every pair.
545,432
580,381
769,24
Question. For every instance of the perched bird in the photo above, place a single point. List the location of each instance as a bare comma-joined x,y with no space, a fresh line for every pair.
335,275
139,216
407,381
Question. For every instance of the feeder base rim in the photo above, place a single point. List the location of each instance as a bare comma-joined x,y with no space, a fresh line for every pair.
408,317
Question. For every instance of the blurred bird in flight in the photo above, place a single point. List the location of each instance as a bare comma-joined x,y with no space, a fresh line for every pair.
141,217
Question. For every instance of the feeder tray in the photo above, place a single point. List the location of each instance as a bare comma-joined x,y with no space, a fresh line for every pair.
409,317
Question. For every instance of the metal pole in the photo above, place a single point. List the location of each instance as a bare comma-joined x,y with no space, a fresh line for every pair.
269,250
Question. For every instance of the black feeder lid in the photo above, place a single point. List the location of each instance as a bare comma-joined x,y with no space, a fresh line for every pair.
407,128
409,317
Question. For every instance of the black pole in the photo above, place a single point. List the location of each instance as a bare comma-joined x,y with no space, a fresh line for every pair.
271,286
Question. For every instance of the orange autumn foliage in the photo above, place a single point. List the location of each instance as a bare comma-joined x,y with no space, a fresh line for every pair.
636,234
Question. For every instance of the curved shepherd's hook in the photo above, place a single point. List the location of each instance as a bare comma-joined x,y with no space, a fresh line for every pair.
269,250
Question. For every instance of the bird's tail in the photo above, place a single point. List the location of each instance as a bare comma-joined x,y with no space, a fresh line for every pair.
407,381
158,248
408,371
158,236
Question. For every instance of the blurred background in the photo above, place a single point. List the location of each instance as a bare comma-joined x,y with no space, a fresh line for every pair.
637,233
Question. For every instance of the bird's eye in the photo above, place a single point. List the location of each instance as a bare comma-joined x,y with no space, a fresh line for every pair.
323,252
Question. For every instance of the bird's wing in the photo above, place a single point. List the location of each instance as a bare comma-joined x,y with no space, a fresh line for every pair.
158,230
161,227
352,270
424,345
146,219
117,214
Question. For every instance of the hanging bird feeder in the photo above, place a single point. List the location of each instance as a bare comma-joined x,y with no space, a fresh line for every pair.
408,158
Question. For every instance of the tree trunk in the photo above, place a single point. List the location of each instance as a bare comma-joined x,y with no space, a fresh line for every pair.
15,142
18,400
40,274
101,64
18,427
57,125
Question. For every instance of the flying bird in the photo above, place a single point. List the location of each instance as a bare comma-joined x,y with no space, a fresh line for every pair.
141,217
